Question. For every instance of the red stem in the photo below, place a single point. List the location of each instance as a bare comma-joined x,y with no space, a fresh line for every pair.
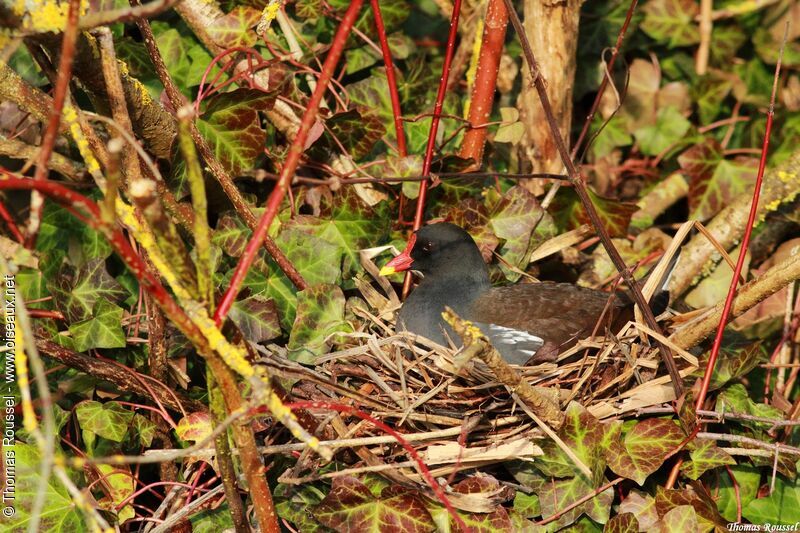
292,161
59,97
480,108
423,468
737,271
390,78
12,226
437,113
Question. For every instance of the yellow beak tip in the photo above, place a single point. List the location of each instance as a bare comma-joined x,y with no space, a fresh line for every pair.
387,271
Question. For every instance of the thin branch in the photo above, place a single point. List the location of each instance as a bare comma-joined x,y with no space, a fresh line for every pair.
580,188
68,42
292,161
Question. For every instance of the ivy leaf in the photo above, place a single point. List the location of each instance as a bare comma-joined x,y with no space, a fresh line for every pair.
671,22
496,520
707,196
513,219
318,260
644,448
559,494
700,161
670,127
622,523
76,291
350,506
295,503
708,517
231,125
357,130
568,211
679,519
709,93
257,317
705,456
119,484
748,479
735,399
275,285
642,506
59,514
145,429
195,427
174,50
585,435
349,224
102,330
233,29
320,314
109,420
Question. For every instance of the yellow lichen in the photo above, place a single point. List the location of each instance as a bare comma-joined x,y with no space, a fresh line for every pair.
786,177
70,117
271,11
473,64
46,15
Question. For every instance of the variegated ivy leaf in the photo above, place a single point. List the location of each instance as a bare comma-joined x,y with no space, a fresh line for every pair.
231,125
76,291
109,420
350,506
644,448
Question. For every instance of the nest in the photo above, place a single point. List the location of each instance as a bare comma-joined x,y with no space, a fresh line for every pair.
459,416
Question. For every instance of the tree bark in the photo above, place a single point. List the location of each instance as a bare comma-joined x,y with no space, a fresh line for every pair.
552,27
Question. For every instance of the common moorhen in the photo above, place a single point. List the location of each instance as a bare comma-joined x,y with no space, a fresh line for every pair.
530,322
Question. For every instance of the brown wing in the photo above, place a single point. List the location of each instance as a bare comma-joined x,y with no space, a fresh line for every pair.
559,313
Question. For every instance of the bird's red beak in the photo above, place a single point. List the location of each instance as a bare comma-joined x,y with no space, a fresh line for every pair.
401,262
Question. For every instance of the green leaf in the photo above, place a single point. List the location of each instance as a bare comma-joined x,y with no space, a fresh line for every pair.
512,130
513,219
613,135
145,429
257,318
748,479
118,484
768,46
735,399
709,93
212,520
233,29
350,506
527,504
231,125
357,130
671,22
349,224
707,196
59,514
644,448
317,260
295,503
109,420
705,456
557,495
102,330
174,49
76,292
320,314
670,127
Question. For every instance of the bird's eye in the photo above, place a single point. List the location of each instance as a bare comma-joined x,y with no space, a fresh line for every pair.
427,247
